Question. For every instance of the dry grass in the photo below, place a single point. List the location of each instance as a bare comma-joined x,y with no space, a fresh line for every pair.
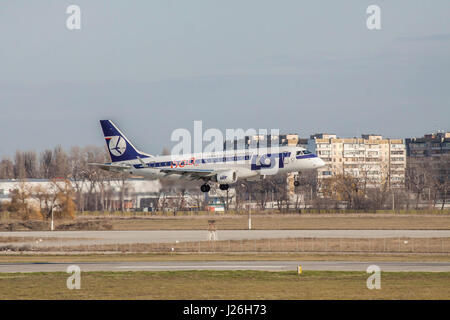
149,257
36,225
286,222
32,239
326,245
239,222
225,285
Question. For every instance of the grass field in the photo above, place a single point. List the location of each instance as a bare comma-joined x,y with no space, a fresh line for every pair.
263,222
274,245
286,222
225,285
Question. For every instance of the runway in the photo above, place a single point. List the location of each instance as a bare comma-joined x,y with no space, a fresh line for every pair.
122,237
229,265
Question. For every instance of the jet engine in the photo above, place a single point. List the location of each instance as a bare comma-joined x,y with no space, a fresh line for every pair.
226,177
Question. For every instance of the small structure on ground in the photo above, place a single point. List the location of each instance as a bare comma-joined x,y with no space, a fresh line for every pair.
212,230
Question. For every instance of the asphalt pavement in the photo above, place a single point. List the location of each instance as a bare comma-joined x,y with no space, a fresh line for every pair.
229,265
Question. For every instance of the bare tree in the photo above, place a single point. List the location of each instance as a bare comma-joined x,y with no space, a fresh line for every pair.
418,177
6,169
180,200
261,192
30,164
441,179
78,174
306,189
19,166
277,186
46,164
120,179
20,203
57,198
60,163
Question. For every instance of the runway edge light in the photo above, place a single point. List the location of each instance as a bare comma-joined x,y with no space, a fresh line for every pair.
299,270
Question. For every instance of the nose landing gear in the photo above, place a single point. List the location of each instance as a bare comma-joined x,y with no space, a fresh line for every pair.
297,180
224,187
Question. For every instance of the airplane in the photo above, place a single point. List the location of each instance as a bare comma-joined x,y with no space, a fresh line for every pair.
224,167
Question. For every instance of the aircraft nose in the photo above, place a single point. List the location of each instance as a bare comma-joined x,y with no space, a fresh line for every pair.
319,163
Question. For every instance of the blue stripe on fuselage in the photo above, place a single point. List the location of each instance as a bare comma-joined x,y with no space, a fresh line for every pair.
306,156
163,164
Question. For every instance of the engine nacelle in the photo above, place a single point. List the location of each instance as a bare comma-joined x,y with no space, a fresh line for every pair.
227,177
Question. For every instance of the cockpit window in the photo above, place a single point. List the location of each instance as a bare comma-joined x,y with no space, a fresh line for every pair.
299,153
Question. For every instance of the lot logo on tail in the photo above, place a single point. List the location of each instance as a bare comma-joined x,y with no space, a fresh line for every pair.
117,145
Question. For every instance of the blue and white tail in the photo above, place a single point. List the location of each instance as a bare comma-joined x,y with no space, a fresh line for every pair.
119,147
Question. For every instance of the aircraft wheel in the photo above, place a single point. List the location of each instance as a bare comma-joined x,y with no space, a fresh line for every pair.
224,187
296,183
205,188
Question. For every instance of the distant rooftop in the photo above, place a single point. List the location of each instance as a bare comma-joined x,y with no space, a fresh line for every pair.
432,136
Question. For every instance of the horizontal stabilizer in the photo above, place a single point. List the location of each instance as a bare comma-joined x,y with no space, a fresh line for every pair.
110,167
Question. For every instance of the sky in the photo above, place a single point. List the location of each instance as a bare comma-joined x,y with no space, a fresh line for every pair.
155,66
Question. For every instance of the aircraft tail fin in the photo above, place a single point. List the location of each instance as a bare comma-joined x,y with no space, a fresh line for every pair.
119,147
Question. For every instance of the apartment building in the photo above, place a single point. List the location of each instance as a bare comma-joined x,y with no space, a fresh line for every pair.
430,152
371,158
430,145
266,141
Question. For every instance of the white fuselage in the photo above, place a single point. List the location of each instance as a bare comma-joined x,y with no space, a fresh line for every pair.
246,164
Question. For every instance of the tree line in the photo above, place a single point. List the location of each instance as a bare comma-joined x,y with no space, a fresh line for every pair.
426,184
50,164
58,165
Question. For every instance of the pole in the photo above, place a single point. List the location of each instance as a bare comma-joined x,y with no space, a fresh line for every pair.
51,224
429,196
250,212
271,197
393,201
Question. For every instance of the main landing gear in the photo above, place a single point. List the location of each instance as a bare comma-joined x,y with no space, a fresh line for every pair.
205,187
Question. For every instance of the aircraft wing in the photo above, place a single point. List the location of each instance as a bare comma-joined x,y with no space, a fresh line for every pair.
193,174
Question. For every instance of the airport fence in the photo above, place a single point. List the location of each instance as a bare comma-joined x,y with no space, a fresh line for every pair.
285,245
